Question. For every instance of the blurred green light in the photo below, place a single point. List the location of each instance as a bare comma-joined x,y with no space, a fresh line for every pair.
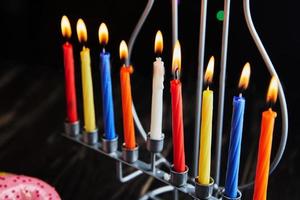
220,15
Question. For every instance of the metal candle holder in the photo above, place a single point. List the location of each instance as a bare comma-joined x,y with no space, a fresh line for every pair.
109,146
90,137
130,155
72,129
239,196
204,191
154,146
179,179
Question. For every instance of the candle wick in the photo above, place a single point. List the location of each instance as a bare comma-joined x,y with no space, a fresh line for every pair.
103,49
241,94
158,55
270,105
176,73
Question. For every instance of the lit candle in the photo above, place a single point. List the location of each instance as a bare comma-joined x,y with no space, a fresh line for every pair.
157,90
69,72
233,162
206,127
265,145
107,100
177,116
87,84
129,135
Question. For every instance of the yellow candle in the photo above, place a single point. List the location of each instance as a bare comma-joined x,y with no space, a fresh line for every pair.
87,91
205,138
87,83
206,128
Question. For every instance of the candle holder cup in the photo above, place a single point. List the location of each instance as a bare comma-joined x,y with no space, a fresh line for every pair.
91,137
238,197
179,179
109,145
204,191
130,155
72,128
155,146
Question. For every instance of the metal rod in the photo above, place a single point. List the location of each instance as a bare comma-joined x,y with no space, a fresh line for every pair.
271,68
201,51
157,192
174,21
175,194
153,162
124,179
222,90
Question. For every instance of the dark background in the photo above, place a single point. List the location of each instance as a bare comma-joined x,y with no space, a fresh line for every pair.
32,100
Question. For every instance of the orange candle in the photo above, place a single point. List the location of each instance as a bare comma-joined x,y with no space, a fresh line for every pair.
128,125
265,145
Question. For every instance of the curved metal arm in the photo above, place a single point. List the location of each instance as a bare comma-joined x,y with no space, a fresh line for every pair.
138,28
282,99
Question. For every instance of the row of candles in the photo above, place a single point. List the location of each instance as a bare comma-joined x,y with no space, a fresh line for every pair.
231,183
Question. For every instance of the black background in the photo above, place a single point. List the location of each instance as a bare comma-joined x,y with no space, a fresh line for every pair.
32,106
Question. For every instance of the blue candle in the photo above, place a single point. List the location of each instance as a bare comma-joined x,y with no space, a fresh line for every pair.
107,100
233,162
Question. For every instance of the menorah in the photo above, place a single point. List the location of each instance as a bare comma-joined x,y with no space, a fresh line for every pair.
184,182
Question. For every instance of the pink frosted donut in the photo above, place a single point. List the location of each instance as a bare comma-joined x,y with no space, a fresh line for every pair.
13,187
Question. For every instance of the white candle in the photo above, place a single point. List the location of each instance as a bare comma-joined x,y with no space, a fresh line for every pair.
157,99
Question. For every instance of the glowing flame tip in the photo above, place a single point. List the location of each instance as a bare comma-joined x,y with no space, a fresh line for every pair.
81,31
273,90
245,76
159,45
209,70
103,34
65,27
176,62
123,50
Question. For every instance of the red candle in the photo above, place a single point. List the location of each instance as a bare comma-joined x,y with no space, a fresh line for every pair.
69,72
177,116
265,146
129,133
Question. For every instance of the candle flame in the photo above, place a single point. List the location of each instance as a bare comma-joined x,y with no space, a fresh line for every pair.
103,34
81,31
209,70
159,45
273,90
245,76
176,62
65,27
123,50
